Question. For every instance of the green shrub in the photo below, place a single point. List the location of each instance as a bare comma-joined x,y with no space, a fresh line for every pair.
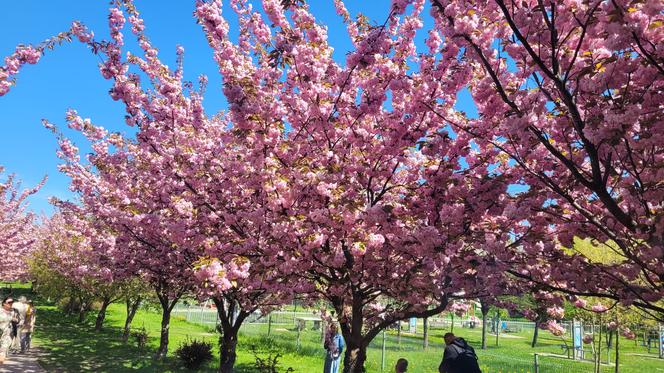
194,353
269,364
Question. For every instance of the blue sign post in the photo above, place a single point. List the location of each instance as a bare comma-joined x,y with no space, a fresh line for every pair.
412,325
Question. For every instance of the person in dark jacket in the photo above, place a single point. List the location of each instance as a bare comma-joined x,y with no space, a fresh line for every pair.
459,356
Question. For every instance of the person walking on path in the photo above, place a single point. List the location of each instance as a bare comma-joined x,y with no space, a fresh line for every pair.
20,307
334,345
28,327
402,366
6,316
459,356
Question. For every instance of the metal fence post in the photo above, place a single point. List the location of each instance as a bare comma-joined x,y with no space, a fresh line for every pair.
269,323
297,342
536,363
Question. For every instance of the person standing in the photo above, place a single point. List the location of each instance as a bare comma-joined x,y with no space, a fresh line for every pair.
334,345
28,327
459,356
20,308
6,316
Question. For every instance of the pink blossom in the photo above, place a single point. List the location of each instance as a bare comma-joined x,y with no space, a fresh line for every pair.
555,312
599,308
580,303
375,241
555,328
627,333
29,54
459,309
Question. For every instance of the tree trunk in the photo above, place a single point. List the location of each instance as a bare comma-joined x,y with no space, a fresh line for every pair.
101,316
82,310
132,307
81,315
69,308
485,319
165,325
227,353
351,328
355,356
231,316
425,339
535,334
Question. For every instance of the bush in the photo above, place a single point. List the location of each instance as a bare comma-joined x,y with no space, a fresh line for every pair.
194,353
269,364
141,336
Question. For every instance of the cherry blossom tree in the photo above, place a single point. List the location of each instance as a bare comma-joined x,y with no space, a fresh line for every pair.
60,268
94,245
17,228
238,270
570,92
79,253
126,192
378,204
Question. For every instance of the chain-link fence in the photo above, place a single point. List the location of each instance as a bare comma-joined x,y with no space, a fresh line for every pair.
302,331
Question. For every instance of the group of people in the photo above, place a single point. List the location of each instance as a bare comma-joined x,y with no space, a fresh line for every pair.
459,356
17,323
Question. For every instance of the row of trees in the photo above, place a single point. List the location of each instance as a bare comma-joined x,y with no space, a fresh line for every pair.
362,184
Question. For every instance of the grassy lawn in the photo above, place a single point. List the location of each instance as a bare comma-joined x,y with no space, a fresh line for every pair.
513,354
72,347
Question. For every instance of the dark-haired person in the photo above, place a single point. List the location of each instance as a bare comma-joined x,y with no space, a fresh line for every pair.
402,366
6,317
459,356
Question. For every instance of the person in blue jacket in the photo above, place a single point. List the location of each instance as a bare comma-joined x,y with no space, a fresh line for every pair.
334,345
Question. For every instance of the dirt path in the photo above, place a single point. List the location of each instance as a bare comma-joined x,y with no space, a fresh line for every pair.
22,363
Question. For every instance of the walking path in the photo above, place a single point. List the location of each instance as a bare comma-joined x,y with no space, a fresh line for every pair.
22,363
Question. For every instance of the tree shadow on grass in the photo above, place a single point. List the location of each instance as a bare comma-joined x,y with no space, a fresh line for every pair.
72,347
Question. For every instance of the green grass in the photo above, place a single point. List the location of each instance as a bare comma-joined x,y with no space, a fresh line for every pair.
73,347
513,354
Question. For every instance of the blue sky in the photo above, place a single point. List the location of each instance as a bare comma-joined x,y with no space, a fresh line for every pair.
68,77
